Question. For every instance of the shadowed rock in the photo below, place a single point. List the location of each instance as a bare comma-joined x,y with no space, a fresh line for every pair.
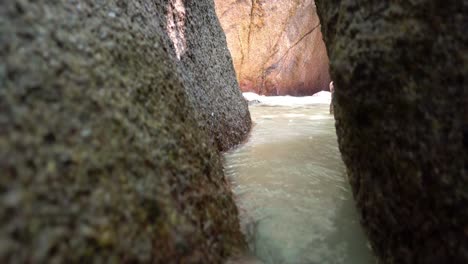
111,117
401,101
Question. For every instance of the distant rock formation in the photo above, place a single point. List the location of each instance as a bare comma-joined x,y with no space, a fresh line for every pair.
401,105
276,46
112,115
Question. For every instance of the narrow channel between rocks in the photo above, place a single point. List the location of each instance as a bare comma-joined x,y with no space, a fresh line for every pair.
290,186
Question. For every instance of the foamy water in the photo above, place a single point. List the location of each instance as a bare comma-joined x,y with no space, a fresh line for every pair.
322,97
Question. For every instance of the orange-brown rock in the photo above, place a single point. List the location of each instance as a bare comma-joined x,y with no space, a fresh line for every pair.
276,46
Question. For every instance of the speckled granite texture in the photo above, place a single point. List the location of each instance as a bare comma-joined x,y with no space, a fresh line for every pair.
401,109
112,118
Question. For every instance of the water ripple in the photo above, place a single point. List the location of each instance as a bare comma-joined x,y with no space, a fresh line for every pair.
289,181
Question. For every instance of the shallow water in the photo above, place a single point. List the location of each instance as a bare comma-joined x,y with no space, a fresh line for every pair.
289,181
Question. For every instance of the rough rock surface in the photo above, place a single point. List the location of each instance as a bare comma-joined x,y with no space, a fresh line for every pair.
111,116
276,46
401,109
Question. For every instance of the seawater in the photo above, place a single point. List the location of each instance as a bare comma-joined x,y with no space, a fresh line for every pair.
290,186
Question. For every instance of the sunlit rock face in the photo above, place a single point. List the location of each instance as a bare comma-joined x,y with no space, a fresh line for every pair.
401,104
191,31
276,46
112,115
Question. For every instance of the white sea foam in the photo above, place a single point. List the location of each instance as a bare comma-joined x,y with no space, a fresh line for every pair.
322,97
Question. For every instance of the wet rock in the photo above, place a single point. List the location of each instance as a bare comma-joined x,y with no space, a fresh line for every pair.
276,46
400,70
109,151
254,102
